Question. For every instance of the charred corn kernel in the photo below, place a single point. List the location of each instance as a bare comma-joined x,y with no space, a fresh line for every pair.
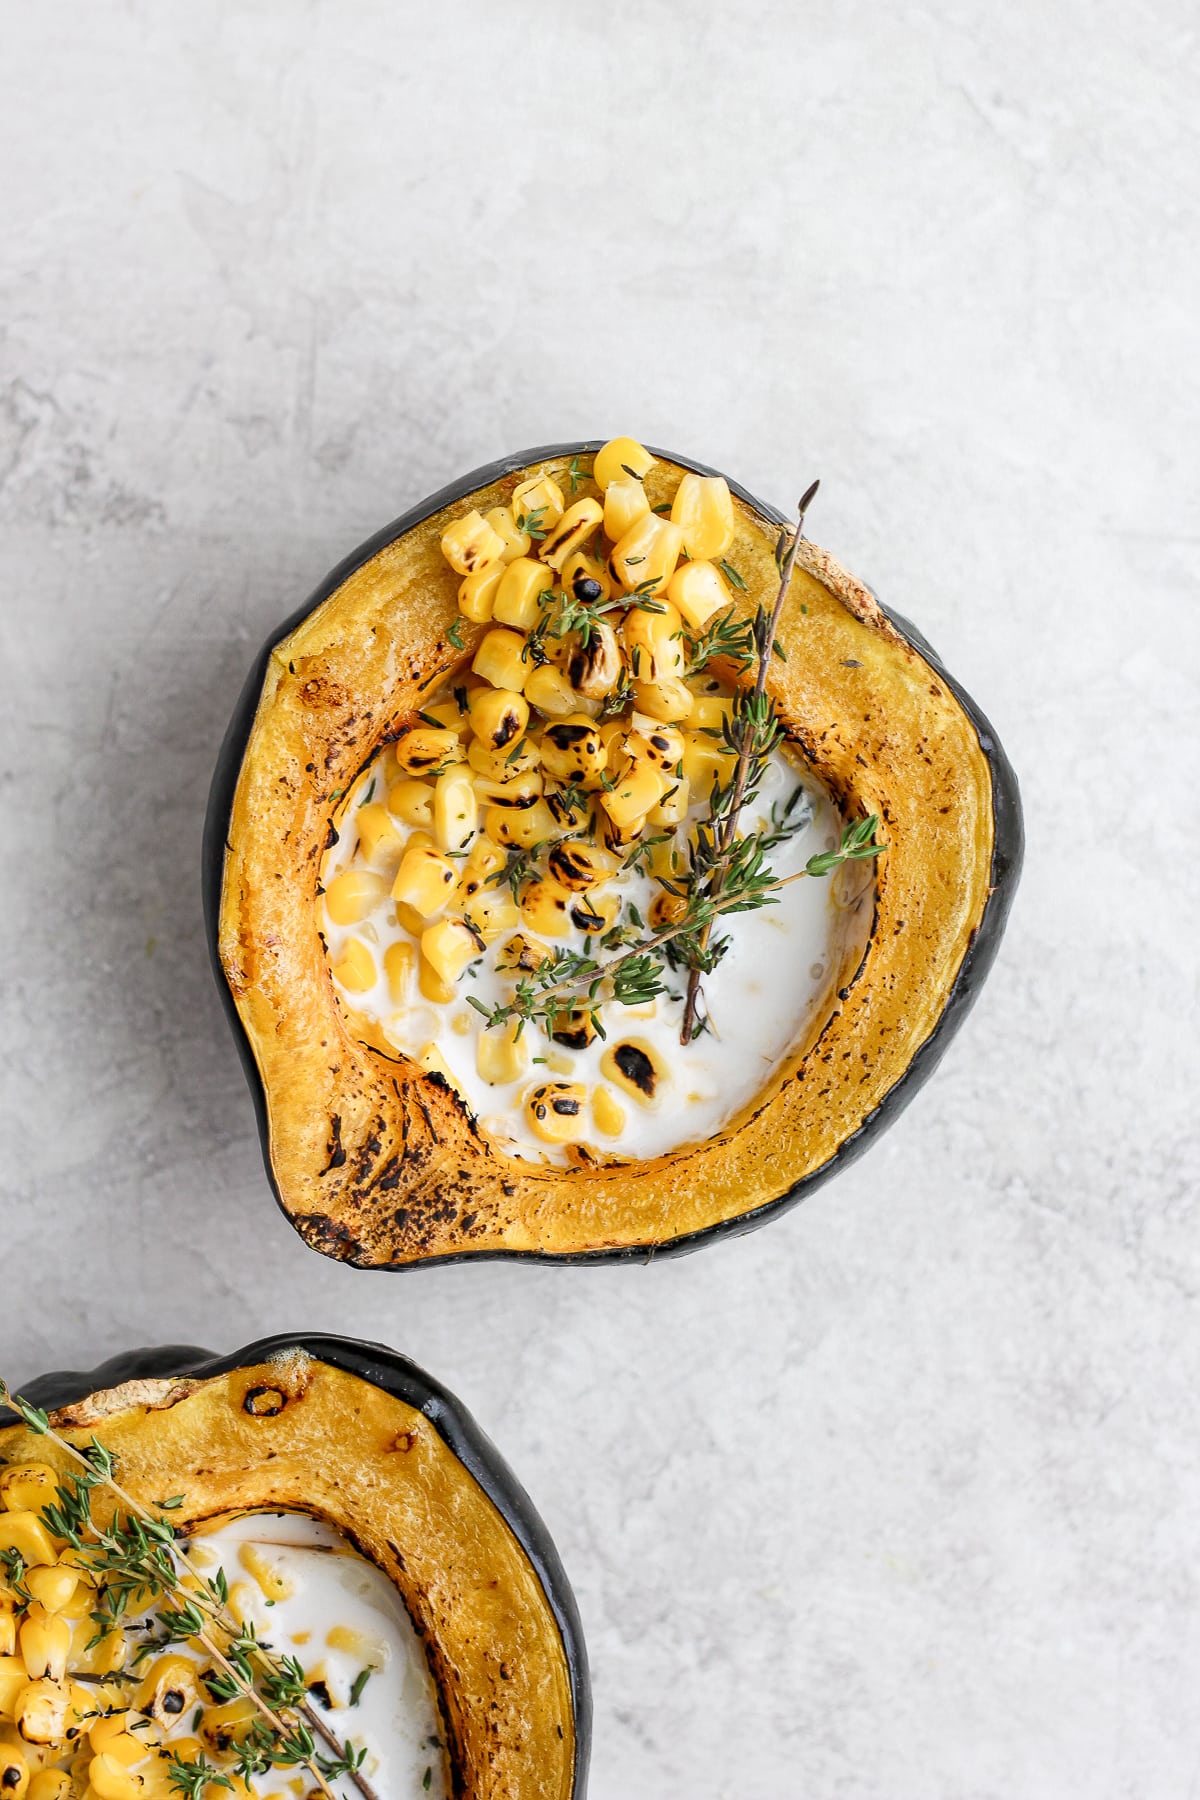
517,596
455,810
592,912
667,699
572,748
477,595
109,1779
502,766
579,569
412,803
270,1578
355,968
224,1727
521,955
608,1112
621,457
577,524
431,984
500,1055
27,1487
654,642
594,667
24,1532
673,807
516,542
492,912
646,556
486,859
665,909
471,543
448,947
14,1774
354,893
571,811
640,788
498,717
625,503
574,1030
652,741
514,794
520,827
537,503
45,1643
499,659
580,866
49,1784
710,711
699,592
703,511
433,1063
399,966
54,1588
550,691
705,760
428,749
637,1068
545,906
424,881
43,1711
556,1111
377,834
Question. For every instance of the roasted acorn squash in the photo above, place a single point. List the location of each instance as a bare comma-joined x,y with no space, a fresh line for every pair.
379,1163
359,1437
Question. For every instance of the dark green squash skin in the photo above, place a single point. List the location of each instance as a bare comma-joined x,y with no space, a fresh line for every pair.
398,1376
1007,857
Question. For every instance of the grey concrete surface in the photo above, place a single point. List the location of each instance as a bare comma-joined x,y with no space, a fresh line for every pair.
898,1499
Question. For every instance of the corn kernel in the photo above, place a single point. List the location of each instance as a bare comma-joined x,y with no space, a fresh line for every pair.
122,1746
580,866
699,592
621,456
645,557
498,717
545,907
637,1068
703,511
556,1111
537,502
486,859
13,1677
516,542
270,1578
54,1588
608,1112
654,742
448,947
594,912
354,893
578,568
412,803
502,766
427,750
521,955
477,595
355,968
24,1532
575,1030
520,827
399,965
517,596
654,642
500,1055
515,795
8,1631
109,1779
668,699
43,1711
548,689
572,748
27,1487
594,667
49,1784
576,524
625,503
672,809
706,760
640,788
710,711
14,1773
433,1063
499,659
432,985
455,811
471,543
424,880
409,918
377,834
493,912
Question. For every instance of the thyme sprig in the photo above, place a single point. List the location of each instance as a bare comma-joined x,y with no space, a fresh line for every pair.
139,1561
727,637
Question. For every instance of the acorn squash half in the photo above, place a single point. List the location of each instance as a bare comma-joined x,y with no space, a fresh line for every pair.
380,1164
358,1436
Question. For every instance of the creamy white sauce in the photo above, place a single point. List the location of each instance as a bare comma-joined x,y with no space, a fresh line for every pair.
759,999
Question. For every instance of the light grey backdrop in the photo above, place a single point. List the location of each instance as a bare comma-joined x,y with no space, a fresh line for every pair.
898,1499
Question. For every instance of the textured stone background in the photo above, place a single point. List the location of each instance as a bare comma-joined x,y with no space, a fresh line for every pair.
900,1498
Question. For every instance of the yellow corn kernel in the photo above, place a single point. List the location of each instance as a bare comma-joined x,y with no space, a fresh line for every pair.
448,947
710,711
448,714
399,966
621,457
654,642
608,1112
503,766
520,827
549,690
427,750
431,984
572,748
575,1030
580,866
8,1630
49,1784
412,803
579,568
640,788
645,557
666,909
521,955
409,918
545,907
486,859
577,523
270,1578
43,1711
672,809
498,717
637,1068
107,1657
455,810
499,660
355,968
24,1532
556,1111
517,596
537,502
377,834
477,595
594,667
14,1773
27,1487
53,1588
471,543
493,912
109,1779
668,699
433,1063
593,912
45,1641
705,759
516,541
703,511
652,741
354,893
572,811
500,1055
514,795
699,592
625,503
123,1747
13,1677
424,880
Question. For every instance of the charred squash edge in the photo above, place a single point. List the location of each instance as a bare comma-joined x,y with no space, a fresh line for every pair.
395,1375
1007,856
